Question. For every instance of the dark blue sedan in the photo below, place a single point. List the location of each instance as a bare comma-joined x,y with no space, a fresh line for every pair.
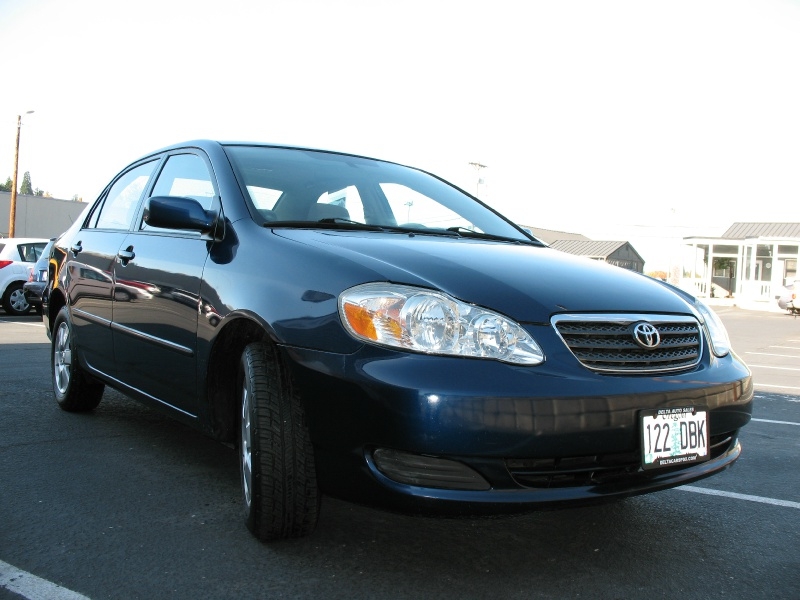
367,330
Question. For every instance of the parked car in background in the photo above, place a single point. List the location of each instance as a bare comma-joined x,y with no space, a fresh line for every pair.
17,258
37,279
367,330
788,297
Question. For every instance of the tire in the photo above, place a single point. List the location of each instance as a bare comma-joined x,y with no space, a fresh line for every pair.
14,301
278,475
74,390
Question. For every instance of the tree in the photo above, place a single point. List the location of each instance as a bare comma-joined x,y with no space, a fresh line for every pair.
26,187
662,275
728,264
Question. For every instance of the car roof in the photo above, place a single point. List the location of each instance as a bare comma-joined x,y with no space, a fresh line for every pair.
18,240
211,147
8,247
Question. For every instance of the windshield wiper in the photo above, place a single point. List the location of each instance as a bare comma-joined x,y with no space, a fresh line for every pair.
470,233
330,223
342,223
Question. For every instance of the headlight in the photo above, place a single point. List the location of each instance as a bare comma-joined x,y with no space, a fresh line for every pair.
421,320
720,344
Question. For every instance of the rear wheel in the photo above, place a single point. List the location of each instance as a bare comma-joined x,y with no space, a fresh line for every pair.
74,390
14,301
278,475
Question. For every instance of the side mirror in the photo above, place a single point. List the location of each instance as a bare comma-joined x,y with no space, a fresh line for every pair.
175,212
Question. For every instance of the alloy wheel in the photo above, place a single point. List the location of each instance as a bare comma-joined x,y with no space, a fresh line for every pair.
62,359
245,445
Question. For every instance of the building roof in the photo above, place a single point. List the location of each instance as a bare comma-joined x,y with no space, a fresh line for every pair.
548,236
591,248
740,231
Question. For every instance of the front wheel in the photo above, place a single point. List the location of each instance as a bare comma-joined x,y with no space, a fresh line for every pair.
74,390
278,474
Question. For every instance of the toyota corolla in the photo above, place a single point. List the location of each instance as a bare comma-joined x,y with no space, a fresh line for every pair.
367,330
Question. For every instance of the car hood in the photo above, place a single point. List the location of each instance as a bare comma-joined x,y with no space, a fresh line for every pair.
528,283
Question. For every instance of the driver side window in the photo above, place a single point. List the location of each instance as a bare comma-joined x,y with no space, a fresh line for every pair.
185,175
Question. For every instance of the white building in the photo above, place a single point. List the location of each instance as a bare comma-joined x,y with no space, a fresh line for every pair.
751,261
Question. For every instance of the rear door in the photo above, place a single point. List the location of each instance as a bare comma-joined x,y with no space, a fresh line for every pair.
157,276
90,265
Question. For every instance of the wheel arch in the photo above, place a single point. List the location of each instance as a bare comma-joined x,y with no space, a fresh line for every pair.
55,300
222,371
11,282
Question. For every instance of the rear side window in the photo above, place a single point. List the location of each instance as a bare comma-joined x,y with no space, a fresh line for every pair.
31,252
122,199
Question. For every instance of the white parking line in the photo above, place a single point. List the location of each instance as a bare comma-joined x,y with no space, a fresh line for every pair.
780,387
786,347
32,587
771,367
23,323
734,495
781,355
775,422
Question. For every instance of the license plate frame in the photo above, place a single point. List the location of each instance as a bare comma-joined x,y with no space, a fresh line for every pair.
674,436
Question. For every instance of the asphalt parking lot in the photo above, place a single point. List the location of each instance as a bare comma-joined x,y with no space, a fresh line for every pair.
124,503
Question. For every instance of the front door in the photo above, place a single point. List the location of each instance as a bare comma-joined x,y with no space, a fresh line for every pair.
157,278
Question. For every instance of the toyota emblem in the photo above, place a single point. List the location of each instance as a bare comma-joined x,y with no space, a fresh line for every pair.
646,335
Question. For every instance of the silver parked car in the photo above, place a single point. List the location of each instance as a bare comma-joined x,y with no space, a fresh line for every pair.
37,279
787,299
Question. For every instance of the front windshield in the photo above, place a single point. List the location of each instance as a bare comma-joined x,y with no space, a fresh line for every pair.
293,187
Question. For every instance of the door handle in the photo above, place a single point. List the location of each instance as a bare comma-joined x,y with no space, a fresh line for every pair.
127,255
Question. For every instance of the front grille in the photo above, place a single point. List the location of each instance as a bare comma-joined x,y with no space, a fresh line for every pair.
607,343
577,471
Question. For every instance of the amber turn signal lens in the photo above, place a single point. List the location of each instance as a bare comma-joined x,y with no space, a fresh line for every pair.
360,320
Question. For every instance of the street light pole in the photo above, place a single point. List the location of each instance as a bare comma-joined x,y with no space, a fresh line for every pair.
12,218
478,166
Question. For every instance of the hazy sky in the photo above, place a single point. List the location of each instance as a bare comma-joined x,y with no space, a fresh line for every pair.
643,121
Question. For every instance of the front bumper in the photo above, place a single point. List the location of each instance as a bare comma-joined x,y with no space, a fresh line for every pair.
538,436
507,495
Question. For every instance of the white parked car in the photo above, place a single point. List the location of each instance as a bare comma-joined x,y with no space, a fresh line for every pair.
787,299
17,258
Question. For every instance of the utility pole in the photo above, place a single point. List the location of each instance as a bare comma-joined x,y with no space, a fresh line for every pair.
409,204
477,166
12,218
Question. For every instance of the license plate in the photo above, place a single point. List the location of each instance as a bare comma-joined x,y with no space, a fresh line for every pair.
673,437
